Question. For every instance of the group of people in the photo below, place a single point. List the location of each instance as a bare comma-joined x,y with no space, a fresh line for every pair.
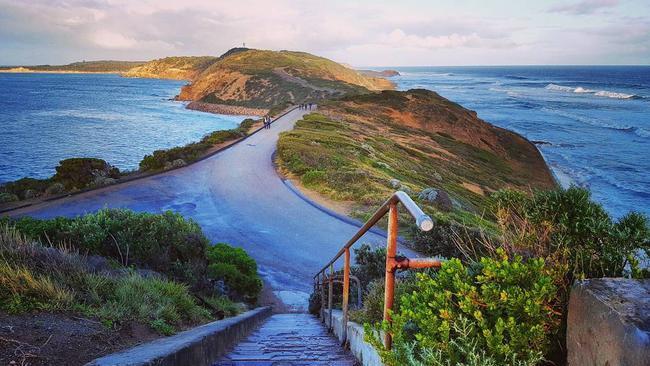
267,122
305,106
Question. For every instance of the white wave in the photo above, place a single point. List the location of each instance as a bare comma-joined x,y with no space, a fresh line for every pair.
559,88
641,132
581,90
608,94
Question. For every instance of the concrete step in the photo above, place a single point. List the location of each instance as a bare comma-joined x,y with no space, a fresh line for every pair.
289,340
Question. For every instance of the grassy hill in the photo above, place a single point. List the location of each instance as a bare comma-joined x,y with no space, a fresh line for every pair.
84,66
362,148
266,79
178,68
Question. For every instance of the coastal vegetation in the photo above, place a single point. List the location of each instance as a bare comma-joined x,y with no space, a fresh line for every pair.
108,66
177,68
363,148
502,299
121,267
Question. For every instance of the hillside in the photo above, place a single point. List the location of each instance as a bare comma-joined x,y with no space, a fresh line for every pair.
107,66
266,79
178,68
361,148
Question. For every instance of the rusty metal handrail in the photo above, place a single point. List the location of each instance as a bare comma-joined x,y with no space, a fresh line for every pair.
393,263
340,279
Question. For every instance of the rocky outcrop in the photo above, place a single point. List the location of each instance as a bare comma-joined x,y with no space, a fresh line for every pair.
609,322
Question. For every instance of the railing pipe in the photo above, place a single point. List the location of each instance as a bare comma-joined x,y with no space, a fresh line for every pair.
393,262
329,295
391,252
346,292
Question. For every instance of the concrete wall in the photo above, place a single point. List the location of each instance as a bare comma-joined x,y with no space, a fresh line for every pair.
609,323
364,352
200,346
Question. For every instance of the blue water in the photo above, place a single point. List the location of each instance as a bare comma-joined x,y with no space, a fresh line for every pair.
45,118
596,119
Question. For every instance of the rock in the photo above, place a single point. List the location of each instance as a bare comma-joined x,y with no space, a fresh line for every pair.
428,194
395,183
437,176
609,322
178,163
438,197
175,164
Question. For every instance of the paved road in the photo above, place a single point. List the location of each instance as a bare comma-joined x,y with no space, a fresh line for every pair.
238,198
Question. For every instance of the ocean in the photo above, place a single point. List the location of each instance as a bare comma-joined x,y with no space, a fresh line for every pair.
45,118
592,123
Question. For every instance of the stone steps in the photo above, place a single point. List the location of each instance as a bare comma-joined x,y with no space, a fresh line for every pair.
289,340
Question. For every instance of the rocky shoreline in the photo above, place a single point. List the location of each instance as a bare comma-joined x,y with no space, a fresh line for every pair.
226,109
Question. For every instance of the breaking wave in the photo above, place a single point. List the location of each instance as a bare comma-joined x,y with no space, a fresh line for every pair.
598,93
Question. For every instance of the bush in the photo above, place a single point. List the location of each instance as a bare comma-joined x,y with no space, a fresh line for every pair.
160,159
236,269
442,239
566,226
8,197
504,306
18,189
79,173
166,242
161,303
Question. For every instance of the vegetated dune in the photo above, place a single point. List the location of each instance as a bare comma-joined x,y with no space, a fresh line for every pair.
266,79
104,66
177,68
363,147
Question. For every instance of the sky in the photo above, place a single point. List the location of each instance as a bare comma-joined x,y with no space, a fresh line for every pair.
359,33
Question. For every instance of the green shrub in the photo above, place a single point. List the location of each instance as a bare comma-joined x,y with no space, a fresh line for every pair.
38,278
160,159
566,226
313,177
19,188
167,242
161,303
236,268
8,197
504,306
79,173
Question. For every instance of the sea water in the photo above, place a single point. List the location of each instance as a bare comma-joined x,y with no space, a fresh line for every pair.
592,123
45,118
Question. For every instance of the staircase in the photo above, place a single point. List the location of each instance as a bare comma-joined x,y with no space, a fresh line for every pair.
289,339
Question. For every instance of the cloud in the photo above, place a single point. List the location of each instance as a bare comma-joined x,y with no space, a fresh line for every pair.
584,7
364,32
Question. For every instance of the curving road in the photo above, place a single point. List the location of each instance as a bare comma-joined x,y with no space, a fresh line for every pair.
237,197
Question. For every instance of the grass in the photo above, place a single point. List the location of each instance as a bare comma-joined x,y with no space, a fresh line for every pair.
353,147
35,277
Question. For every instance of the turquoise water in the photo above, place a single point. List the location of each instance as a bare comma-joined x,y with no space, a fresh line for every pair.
45,118
593,122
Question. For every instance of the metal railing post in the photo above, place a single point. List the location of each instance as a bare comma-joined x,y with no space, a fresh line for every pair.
322,296
346,294
329,295
391,252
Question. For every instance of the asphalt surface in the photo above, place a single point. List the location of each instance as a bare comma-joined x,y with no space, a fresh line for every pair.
238,198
